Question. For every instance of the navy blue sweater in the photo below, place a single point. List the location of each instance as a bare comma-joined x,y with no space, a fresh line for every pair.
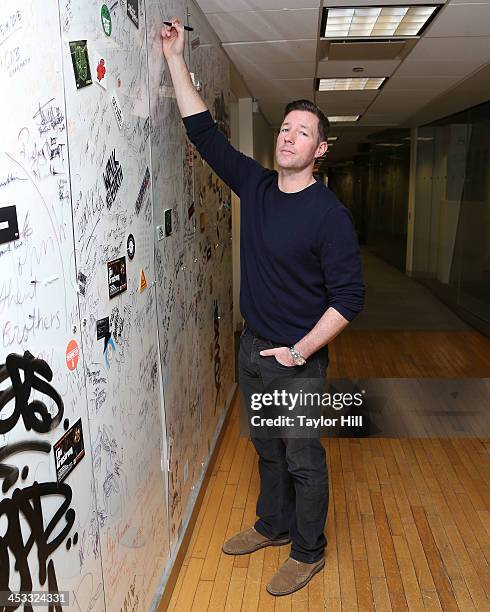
298,251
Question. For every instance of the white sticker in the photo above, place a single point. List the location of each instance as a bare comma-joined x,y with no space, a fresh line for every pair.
117,110
98,62
4,225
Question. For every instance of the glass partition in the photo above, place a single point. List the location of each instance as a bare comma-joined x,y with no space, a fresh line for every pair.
452,211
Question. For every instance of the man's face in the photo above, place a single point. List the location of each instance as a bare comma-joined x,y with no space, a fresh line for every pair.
297,143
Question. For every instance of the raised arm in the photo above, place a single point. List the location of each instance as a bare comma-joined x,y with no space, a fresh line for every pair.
231,166
173,41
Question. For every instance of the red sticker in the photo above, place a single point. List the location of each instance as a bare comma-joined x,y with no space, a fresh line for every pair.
72,354
101,70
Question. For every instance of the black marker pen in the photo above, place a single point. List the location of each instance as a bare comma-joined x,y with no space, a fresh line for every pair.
188,28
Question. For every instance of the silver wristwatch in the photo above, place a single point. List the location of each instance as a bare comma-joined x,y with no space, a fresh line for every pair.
297,357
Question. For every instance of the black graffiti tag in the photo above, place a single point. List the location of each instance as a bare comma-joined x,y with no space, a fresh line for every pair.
23,512
28,502
10,473
34,414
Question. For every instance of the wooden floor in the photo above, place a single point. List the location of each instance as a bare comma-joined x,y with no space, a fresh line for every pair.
408,525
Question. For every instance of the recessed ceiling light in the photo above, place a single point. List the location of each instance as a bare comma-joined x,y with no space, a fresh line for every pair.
339,118
349,84
377,21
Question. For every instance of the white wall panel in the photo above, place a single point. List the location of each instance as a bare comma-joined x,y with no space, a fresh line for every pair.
50,535
193,275
122,380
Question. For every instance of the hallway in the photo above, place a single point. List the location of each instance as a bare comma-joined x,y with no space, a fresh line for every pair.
409,522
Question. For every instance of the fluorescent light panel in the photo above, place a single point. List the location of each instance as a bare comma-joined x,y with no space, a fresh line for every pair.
339,118
381,21
349,84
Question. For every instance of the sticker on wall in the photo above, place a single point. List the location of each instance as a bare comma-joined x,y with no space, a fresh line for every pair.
102,73
133,11
69,451
103,328
109,351
103,331
113,177
143,283
131,246
117,110
167,217
142,191
105,18
81,66
72,355
116,276
9,227
82,283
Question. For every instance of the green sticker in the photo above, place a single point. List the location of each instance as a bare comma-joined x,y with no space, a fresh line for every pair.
81,66
106,20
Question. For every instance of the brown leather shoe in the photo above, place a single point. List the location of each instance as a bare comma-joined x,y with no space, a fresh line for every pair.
249,541
292,576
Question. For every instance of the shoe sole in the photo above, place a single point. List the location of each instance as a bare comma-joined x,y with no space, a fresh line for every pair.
258,547
299,586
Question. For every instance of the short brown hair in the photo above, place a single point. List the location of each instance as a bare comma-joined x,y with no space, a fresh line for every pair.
311,107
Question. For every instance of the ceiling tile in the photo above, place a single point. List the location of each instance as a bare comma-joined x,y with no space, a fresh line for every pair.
228,6
278,51
277,70
280,89
389,101
291,70
265,25
460,49
437,67
417,83
461,20
344,103
344,68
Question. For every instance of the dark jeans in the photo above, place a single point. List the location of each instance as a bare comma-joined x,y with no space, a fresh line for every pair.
293,499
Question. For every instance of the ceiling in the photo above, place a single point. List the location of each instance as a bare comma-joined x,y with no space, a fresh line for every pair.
276,47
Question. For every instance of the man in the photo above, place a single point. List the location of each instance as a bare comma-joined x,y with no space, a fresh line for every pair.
301,284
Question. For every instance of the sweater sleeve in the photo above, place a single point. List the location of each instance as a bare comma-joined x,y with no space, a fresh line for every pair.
232,166
341,263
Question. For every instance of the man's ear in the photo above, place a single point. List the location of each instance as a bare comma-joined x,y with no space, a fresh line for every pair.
321,149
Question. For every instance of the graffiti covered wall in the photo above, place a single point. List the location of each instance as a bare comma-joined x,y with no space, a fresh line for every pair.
193,263
116,355
50,524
